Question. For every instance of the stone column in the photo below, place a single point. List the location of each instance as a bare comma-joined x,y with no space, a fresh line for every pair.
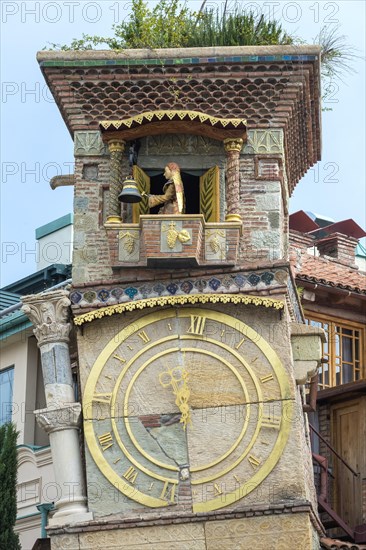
116,148
233,146
49,312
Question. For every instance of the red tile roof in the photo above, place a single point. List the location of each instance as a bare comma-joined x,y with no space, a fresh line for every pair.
329,272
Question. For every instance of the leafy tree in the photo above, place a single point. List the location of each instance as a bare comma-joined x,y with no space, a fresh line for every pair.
9,540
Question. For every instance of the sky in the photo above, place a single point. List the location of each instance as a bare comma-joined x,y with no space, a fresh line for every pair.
36,145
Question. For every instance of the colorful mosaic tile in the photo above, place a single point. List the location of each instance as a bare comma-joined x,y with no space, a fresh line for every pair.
90,296
253,279
159,289
214,284
172,288
145,290
239,280
131,292
200,284
117,293
75,297
178,61
227,282
103,295
186,286
267,278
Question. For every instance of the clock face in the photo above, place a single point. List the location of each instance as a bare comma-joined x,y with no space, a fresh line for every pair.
187,406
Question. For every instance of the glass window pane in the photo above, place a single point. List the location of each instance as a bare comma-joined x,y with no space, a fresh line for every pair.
338,378
347,373
357,350
347,349
6,394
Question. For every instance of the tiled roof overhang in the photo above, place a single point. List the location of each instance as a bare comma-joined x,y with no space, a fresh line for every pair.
329,273
330,284
269,86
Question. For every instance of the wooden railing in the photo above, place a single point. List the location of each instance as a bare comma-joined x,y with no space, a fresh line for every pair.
329,468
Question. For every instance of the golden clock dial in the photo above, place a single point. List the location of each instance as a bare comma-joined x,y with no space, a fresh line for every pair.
187,400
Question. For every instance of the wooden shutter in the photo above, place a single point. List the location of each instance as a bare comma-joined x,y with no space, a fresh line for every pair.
209,194
143,184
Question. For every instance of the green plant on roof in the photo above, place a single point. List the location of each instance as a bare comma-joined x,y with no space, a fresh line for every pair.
171,24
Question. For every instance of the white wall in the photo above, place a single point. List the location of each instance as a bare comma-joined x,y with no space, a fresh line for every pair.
55,248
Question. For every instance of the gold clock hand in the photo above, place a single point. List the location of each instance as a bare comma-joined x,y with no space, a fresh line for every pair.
172,377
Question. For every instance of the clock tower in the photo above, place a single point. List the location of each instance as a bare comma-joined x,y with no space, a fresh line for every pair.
192,352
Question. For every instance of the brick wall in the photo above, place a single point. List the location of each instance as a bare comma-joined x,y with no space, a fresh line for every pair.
260,204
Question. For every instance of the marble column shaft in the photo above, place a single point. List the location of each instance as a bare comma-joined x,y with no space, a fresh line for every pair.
49,312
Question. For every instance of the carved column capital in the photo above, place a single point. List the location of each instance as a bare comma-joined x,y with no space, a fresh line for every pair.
233,144
49,312
63,418
116,145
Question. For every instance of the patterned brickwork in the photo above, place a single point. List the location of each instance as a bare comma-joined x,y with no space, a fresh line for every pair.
278,92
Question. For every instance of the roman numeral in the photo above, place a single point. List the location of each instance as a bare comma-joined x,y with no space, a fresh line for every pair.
271,421
103,398
106,441
217,490
240,343
267,378
144,337
197,325
119,358
131,475
168,491
253,461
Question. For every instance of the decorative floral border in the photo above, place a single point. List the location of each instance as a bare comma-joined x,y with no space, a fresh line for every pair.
179,300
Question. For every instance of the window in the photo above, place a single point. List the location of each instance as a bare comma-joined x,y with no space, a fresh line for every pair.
202,193
6,394
343,351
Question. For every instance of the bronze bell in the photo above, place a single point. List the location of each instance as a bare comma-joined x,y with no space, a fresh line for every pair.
130,192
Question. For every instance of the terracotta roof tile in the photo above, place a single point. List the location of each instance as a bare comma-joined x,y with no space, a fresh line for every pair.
329,272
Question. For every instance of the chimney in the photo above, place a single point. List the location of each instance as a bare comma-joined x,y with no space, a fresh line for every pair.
301,241
338,246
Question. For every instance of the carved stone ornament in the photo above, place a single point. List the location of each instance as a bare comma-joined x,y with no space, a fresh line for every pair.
88,144
62,418
49,312
265,142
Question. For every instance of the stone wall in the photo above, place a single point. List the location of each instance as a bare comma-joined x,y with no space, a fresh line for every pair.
260,531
